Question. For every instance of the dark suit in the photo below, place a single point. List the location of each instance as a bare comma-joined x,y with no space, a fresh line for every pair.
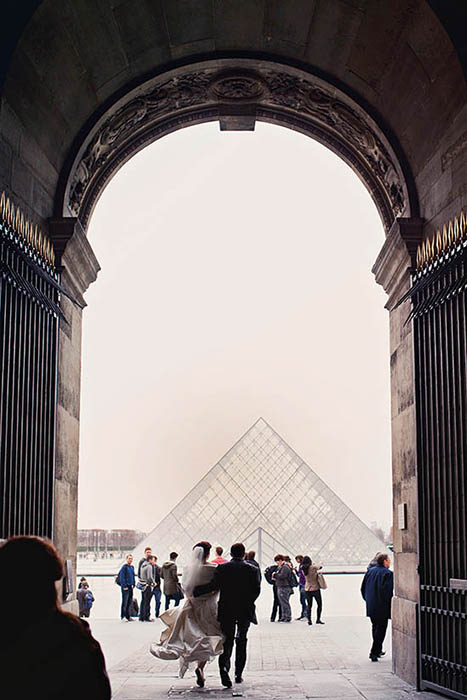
238,585
376,589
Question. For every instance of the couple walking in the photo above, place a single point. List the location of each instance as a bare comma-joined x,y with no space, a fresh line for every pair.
217,612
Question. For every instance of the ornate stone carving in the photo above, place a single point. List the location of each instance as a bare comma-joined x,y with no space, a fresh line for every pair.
173,95
283,92
323,106
236,87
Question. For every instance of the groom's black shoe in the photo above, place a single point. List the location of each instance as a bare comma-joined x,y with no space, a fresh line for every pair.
199,677
225,678
238,679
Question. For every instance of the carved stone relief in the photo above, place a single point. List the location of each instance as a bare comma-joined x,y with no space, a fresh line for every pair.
282,92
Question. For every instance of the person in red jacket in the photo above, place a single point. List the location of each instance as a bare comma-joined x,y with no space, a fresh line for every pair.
219,559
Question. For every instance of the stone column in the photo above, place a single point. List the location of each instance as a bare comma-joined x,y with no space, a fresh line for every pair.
392,271
79,268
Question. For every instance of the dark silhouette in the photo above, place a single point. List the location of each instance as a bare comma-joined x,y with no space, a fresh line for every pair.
376,589
239,587
250,559
48,654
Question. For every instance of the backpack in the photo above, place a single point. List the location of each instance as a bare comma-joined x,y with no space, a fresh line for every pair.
117,579
268,573
88,600
293,579
134,608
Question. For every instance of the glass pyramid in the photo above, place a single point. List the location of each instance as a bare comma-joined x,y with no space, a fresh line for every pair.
263,494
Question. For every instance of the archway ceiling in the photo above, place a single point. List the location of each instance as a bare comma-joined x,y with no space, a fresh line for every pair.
76,57
235,91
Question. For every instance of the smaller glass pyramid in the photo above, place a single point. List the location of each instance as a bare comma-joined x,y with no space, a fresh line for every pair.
263,494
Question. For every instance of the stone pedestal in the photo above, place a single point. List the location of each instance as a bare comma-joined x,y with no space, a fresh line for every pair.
392,271
79,268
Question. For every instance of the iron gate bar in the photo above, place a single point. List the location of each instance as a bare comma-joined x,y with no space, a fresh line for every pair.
29,317
438,311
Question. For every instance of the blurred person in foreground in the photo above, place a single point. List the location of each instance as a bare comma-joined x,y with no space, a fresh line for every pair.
50,655
377,590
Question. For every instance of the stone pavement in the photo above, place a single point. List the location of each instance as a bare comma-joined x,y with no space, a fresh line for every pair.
286,662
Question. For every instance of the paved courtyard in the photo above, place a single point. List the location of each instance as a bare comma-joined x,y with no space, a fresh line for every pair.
286,661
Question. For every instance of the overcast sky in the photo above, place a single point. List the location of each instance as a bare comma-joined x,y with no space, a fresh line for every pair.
235,284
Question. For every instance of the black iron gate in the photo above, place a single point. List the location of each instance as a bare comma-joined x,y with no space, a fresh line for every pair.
439,293
29,315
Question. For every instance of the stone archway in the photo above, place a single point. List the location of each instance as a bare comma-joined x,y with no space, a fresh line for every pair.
237,92
379,83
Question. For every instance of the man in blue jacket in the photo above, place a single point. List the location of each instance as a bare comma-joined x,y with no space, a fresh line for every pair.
127,582
377,590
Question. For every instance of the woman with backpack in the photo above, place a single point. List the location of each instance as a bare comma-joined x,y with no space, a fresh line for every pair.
285,581
85,600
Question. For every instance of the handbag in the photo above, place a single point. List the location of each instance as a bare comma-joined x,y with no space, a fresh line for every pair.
180,592
141,586
322,582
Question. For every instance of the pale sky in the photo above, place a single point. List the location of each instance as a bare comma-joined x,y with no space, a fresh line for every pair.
236,283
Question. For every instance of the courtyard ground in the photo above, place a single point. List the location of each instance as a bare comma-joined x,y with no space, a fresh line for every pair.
285,661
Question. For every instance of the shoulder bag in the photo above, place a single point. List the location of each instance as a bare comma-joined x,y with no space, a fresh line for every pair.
322,582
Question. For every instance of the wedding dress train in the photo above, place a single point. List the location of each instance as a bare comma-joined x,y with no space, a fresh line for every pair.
193,633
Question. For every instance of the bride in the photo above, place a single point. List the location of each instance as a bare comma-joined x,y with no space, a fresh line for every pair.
193,633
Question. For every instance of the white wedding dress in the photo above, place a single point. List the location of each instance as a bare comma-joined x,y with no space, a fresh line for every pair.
193,633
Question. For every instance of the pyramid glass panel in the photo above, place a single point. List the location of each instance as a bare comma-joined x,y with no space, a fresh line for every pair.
263,494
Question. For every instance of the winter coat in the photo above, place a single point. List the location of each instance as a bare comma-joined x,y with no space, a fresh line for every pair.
238,586
285,577
254,563
311,578
146,574
170,576
377,590
127,576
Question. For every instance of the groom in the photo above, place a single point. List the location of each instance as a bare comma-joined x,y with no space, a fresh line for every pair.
239,587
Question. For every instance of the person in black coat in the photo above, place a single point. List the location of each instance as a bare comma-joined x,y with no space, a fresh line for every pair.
239,587
50,654
377,591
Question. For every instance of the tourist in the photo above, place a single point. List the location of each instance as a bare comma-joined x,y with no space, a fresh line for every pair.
193,633
285,580
169,573
250,559
312,588
268,575
50,654
301,584
157,593
219,559
85,600
145,558
147,580
239,587
374,561
377,591
127,582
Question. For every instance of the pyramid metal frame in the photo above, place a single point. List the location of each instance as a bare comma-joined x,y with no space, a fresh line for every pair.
262,493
